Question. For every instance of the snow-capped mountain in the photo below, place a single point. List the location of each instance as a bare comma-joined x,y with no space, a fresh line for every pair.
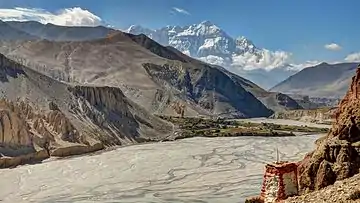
200,40
209,43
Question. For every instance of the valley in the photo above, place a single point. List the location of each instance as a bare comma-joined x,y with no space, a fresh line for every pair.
175,114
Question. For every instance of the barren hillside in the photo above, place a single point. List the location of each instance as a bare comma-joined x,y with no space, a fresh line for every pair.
40,114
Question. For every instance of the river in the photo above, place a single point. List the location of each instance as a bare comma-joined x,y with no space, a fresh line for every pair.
190,170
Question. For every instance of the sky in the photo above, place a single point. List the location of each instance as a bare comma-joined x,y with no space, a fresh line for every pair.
308,30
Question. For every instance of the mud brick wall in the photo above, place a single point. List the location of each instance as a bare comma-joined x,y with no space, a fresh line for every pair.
279,182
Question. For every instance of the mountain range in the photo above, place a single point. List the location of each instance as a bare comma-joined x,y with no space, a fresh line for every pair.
208,43
204,41
143,69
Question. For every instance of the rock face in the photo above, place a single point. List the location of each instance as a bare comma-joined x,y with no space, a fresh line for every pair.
13,128
210,89
41,117
337,155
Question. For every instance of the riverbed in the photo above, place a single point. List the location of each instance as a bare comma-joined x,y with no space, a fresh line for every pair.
190,170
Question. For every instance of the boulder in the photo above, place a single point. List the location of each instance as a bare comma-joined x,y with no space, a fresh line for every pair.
325,175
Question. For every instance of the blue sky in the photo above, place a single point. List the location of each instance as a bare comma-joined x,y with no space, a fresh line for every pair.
302,28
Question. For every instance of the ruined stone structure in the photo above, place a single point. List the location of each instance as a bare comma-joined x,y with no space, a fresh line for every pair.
280,182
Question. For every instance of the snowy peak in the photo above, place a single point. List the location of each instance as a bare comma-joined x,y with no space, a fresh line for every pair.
201,40
244,42
208,42
244,45
206,28
204,40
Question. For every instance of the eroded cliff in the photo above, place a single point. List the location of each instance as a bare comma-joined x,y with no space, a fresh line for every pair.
337,155
41,117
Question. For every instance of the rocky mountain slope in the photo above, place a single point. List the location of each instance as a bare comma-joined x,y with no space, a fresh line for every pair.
337,155
60,33
41,117
211,44
156,77
324,80
273,100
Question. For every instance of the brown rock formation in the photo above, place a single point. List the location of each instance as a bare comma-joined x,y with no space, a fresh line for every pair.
337,156
13,129
26,135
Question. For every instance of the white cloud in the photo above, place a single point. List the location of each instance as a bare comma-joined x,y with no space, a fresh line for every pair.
215,60
266,60
67,17
354,57
333,47
180,10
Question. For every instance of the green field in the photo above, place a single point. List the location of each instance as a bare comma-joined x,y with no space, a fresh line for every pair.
201,127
